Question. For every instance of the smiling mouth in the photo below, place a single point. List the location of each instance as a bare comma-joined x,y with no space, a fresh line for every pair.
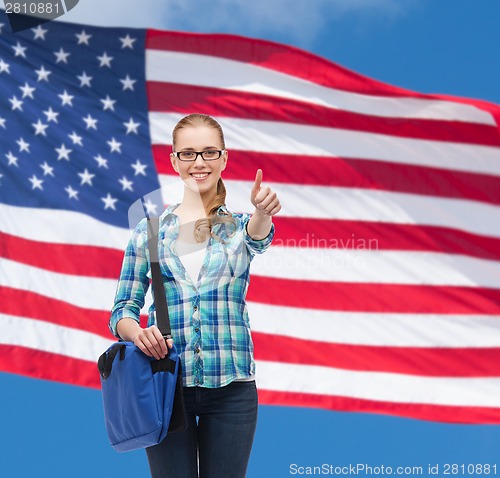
199,175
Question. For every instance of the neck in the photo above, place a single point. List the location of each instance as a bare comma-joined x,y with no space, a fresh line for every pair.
197,202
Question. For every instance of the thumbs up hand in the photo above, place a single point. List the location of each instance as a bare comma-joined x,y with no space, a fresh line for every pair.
264,199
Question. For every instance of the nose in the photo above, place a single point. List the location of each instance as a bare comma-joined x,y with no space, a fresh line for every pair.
199,161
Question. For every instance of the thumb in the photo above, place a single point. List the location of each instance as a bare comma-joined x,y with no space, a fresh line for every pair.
258,181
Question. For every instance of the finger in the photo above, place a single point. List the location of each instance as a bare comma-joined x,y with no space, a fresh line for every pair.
160,341
275,210
258,181
263,194
152,344
145,345
267,200
170,343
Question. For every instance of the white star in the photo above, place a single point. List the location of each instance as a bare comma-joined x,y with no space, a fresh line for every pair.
51,115
61,55
43,74
4,67
63,152
2,122
90,122
16,104
84,80
131,126
86,177
39,32
128,41
47,170
83,38
36,183
108,103
101,162
128,83
23,145
27,90
139,168
114,145
150,207
40,128
71,193
109,202
75,138
105,60
12,159
126,184
66,98
19,50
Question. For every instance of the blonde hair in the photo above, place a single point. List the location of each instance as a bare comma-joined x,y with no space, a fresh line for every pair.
204,227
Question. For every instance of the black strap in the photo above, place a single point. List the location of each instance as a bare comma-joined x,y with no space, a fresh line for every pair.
160,299
105,362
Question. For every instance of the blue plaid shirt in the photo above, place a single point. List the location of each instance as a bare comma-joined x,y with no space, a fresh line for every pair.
209,319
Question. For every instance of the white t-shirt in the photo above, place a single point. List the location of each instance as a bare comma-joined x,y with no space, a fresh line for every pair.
192,256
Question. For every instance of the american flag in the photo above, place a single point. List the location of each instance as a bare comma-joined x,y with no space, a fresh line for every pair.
380,292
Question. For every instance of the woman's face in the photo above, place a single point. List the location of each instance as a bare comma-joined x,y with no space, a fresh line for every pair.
200,175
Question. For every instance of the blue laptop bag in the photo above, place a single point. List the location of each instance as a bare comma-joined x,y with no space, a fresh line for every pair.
142,396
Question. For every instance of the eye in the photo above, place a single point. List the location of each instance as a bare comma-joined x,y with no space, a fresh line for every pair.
186,154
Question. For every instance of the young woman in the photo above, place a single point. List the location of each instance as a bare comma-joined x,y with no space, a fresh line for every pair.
205,254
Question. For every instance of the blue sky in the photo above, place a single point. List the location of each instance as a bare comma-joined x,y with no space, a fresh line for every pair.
52,430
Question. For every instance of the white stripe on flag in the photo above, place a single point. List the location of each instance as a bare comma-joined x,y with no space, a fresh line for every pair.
52,338
387,387
363,328
184,68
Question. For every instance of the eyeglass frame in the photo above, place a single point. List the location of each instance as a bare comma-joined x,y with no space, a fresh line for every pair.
198,153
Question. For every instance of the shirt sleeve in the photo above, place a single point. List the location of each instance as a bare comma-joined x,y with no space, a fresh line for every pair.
256,246
133,283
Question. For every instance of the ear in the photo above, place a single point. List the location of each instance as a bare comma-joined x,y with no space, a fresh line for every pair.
173,160
224,160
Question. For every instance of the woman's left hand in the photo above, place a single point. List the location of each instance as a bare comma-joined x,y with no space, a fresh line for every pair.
264,199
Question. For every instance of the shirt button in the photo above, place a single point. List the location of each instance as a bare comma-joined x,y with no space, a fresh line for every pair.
197,351
195,307
197,329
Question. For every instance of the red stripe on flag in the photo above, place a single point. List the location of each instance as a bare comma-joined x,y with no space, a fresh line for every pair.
366,235
71,259
218,102
442,413
351,173
48,366
22,303
423,361
385,298
274,56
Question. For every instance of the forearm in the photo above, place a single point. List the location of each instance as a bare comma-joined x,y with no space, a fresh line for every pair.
128,329
259,225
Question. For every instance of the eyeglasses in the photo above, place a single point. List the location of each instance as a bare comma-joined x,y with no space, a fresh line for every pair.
208,155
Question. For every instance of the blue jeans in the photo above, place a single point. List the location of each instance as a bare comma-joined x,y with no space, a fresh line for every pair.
218,443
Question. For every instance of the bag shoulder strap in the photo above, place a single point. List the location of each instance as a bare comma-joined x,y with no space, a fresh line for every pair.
160,298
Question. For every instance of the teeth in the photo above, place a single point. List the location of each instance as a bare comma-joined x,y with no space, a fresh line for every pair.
199,176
